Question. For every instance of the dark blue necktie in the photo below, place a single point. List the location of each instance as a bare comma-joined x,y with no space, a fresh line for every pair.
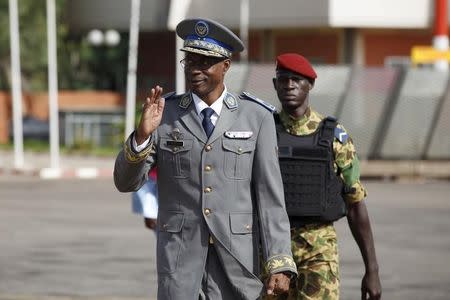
207,124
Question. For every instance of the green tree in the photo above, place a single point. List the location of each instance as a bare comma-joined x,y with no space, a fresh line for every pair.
33,41
80,66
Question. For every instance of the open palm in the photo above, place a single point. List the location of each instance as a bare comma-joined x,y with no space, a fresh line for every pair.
152,111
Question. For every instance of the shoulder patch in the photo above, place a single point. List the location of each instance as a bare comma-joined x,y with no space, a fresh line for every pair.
230,101
340,134
248,96
186,99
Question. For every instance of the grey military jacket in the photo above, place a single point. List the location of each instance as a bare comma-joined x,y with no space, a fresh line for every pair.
226,189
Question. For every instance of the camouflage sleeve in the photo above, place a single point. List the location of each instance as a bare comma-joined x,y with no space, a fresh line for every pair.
347,164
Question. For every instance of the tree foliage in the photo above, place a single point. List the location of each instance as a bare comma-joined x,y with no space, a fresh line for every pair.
78,62
33,40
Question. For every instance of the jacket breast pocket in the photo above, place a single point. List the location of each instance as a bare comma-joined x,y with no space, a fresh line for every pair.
176,157
238,158
170,238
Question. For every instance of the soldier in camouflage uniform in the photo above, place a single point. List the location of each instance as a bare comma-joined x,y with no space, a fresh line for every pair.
314,244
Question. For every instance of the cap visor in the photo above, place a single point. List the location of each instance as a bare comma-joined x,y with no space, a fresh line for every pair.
201,52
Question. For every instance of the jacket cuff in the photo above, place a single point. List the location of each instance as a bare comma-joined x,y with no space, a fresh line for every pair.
131,155
281,263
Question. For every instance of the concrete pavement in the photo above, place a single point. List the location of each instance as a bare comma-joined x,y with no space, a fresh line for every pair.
71,166
86,166
72,239
77,240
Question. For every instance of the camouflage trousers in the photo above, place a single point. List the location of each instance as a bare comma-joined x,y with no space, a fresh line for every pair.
315,252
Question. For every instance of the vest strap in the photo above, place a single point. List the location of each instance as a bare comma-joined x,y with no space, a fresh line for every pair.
326,136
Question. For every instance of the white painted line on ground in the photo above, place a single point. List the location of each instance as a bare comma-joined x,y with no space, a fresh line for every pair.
86,173
50,173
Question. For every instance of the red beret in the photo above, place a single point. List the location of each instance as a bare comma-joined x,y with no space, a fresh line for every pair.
296,63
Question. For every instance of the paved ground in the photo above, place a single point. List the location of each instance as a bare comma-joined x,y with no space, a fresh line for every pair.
77,240
72,238
70,166
84,166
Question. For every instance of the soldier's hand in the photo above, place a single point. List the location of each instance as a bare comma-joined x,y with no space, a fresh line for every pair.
150,223
278,284
152,110
371,286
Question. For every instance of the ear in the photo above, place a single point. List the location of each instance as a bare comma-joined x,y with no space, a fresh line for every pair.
274,81
311,85
226,65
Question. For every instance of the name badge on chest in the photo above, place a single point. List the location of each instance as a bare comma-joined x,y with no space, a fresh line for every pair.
238,134
175,143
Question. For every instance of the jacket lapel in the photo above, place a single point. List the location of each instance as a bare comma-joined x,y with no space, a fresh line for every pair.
228,116
191,120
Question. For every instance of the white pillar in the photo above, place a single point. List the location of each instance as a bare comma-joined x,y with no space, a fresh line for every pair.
177,12
440,42
132,66
243,28
180,84
53,85
16,85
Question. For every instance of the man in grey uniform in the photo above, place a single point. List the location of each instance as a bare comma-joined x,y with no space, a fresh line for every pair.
221,197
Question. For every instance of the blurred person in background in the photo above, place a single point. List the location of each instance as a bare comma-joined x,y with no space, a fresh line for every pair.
321,177
219,183
145,201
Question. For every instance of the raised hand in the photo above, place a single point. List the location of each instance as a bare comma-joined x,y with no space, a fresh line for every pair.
151,114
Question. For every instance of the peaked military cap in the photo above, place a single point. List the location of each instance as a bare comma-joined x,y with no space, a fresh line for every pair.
208,37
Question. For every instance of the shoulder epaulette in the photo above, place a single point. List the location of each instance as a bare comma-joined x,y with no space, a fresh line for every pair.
248,96
340,134
168,95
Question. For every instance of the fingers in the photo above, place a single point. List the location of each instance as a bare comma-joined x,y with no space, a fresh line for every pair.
371,295
161,103
154,98
374,295
282,285
277,284
155,95
150,223
158,92
271,285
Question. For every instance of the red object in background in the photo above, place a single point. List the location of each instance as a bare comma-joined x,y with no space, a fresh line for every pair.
152,174
440,17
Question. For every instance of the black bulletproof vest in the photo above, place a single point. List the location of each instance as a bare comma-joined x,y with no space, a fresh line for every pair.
313,191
